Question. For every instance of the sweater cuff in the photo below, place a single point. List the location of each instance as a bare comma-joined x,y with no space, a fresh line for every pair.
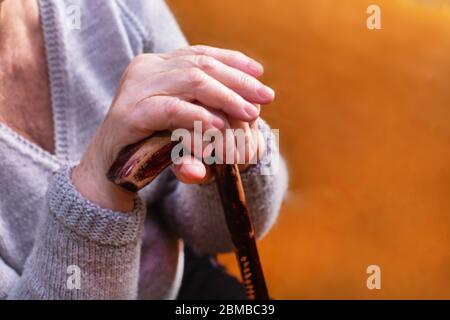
89,220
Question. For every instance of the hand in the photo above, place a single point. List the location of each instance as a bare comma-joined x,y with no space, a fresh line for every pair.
156,93
191,170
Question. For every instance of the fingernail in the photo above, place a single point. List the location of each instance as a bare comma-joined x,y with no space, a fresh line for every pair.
251,111
266,93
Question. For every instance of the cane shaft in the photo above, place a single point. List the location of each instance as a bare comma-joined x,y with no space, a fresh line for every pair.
232,195
139,164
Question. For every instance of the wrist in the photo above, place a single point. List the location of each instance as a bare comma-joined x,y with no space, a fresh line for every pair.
94,186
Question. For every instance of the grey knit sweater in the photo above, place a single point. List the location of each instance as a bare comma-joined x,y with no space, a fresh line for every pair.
55,244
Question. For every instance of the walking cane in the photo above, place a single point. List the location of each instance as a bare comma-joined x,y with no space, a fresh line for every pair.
139,164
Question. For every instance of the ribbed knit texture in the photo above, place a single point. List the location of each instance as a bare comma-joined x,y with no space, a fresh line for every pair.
89,220
49,232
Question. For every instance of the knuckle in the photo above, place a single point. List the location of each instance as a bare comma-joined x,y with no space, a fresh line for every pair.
200,49
202,114
230,99
239,55
132,123
245,81
205,62
129,121
195,76
232,55
172,110
133,117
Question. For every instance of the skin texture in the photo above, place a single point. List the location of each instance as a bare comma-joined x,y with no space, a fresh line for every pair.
23,74
173,90
215,86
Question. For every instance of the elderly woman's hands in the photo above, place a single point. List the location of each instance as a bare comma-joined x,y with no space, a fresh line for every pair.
169,91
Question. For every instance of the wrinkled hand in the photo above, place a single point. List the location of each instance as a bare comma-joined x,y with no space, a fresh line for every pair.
169,91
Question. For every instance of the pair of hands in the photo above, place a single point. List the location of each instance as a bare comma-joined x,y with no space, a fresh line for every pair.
169,91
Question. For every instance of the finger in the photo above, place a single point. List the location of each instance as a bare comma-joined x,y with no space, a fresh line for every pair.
234,59
192,84
191,170
201,142
245,85
254,123
224,146
260,141
246,145
165,112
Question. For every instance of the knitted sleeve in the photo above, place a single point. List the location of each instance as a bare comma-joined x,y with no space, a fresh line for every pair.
81,251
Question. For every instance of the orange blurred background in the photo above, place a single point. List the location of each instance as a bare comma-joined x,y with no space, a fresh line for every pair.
364,119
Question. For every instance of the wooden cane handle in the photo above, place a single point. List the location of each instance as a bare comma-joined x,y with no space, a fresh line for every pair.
139,164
